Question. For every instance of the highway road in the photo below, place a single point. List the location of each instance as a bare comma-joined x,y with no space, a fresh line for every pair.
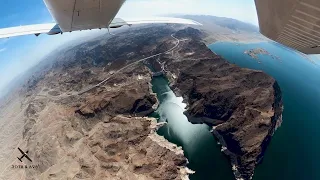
129,65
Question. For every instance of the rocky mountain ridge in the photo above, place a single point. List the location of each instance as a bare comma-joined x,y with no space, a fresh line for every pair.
103,133
100,134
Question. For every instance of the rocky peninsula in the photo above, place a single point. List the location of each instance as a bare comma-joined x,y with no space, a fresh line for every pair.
243,106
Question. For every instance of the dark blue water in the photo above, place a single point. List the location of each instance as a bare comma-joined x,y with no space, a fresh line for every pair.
294,152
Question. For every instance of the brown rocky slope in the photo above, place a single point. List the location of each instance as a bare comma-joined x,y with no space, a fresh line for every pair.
99,134
102,134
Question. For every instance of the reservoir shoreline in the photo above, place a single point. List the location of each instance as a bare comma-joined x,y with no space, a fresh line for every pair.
298,134
193,145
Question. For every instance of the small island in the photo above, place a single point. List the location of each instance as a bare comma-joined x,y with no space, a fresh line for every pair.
254,53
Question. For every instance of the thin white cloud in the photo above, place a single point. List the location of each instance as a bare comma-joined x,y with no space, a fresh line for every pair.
3,49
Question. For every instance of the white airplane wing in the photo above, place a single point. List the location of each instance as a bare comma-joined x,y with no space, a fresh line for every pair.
294,23
36,29
74,15
53,28
150,20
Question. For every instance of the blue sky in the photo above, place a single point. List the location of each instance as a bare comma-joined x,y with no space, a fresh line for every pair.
16,13
20,53
22,12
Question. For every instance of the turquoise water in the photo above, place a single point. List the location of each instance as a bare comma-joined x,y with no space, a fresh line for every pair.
198,143
294,152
